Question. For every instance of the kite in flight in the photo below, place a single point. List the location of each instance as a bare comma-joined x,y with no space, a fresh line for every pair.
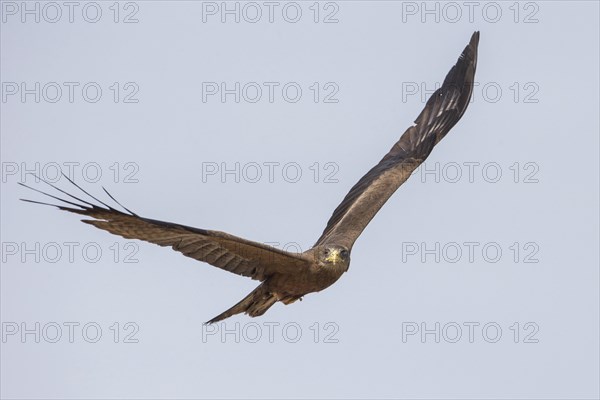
287,276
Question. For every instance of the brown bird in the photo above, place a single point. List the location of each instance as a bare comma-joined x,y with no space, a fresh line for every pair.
286,276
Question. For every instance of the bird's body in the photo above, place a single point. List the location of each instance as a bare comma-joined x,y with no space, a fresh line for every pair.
284,276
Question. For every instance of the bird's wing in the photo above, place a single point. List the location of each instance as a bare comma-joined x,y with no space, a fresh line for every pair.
231,253
442,111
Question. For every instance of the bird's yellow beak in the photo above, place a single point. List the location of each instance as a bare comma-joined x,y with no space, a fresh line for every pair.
334,257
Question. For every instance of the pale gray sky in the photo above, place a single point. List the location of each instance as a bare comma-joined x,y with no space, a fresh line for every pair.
478,279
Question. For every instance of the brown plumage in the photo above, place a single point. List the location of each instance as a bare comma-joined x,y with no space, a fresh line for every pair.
285,276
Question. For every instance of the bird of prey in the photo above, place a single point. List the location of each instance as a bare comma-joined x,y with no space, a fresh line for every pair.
286,276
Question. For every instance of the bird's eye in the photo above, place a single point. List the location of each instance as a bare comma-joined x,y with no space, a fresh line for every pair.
344,253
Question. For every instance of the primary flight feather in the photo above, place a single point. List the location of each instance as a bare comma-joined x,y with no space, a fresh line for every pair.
285,276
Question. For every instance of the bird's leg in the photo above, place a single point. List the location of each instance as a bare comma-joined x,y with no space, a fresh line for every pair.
290,299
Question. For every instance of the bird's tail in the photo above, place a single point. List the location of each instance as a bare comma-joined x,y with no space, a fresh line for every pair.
255,304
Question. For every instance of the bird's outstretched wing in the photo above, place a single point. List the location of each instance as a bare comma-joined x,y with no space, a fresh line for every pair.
231,253
442,111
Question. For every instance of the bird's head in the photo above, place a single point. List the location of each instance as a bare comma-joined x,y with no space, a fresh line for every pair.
334,255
